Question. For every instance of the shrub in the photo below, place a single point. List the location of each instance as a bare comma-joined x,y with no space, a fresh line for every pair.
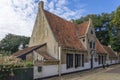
9,63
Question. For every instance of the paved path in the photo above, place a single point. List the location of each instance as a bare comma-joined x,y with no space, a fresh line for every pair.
111,73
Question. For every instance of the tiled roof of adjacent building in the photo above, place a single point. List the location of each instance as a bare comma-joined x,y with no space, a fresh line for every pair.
99,47
110,51
25,50
64,31
30,49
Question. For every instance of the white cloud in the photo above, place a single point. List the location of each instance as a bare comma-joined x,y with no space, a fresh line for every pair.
61,8
12,21
18,16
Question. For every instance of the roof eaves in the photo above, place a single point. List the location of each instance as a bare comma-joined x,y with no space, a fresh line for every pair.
32,50
88,27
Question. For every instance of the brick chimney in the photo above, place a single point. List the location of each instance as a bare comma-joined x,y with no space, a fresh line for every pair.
41,4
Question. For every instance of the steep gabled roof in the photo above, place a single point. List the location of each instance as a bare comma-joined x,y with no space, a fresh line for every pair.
64,31
31,49
100,48
27,50
82,28
110,51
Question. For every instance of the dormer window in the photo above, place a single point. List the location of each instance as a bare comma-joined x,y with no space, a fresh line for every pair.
93,45
83,40
90,44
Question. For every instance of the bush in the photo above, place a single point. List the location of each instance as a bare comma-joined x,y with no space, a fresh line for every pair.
10,63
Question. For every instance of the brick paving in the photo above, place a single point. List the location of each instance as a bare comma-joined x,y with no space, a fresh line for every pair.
111,73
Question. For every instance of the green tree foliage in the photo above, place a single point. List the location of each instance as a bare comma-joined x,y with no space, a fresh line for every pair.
116,20
115,39
9,64
101,25
107,27
11,42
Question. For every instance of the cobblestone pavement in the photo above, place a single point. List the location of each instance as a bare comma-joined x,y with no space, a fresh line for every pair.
111,73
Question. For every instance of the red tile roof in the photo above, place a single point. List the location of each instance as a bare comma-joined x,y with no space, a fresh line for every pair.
24,51
100,48
82,28
30,49
110,51
47,56
64,31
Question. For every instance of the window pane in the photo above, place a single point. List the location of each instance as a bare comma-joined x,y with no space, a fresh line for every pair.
69,60
77,60
91,44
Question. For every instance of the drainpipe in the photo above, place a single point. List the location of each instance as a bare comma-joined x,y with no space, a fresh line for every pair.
59,57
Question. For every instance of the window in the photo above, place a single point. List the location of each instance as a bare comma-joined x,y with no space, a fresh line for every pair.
82,60
39,69
93,45
90,44
77,60
69,60
83,40
102,59
91,32
99,60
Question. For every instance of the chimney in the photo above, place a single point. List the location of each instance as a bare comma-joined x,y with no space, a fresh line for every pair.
41,4
90,20
72,20
20,47
109,46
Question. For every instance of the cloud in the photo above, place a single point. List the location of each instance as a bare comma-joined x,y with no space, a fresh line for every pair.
18,16
14,21
64,9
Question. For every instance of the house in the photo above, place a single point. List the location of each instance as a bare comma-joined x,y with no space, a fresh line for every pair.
113,58
58,46
31,54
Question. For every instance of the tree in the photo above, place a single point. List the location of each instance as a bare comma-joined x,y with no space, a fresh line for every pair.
115,41
11,42
10,64
116,20
101,24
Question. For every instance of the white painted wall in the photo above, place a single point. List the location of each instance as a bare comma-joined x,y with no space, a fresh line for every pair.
52,70
112,62
96,64
65,70
46,71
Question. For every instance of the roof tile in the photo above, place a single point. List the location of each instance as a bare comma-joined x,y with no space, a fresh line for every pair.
64,31
100,48
82,28
110,51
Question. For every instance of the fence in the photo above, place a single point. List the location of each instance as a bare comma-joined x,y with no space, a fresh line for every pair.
19,74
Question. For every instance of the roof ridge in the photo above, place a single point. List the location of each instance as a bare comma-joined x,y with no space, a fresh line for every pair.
64,31
110,51
29,50
100,45
58,16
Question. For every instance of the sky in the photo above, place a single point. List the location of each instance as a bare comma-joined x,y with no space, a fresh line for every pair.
18,16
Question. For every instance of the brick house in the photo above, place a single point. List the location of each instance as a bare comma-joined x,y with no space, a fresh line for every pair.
59,46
